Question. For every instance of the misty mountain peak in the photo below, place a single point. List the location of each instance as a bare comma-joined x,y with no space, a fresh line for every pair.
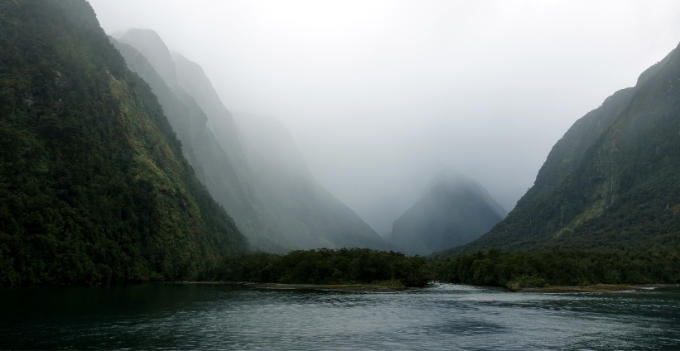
654,69
150,44
448,176
451,180
191,76
256,172
454,211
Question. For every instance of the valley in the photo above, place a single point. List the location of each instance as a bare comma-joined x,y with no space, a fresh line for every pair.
136,203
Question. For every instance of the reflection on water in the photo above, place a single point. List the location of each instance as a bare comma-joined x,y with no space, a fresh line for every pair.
451,317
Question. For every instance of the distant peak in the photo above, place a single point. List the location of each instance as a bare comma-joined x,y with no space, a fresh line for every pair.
651,71
117,34
448,175
142,31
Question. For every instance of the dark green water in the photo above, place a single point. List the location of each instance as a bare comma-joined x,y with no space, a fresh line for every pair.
450,317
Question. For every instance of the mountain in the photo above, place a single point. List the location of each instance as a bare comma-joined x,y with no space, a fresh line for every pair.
240,194
454,211
261,179
308,215
612,181
94,187
225,174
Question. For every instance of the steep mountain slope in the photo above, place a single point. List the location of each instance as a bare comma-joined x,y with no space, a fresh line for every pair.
308,215
154,50
454,211
612,181
191,77
214,166
241,195
269,191
93,184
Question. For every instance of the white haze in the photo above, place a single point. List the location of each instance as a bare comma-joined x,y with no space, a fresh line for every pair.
380,95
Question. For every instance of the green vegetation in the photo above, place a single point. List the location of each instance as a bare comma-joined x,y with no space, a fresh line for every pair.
94,187
514,270
221,167
255,171
612,182
518,269
327,267
93,184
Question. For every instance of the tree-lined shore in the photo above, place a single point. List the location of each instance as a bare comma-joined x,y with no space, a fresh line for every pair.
514,270
509,269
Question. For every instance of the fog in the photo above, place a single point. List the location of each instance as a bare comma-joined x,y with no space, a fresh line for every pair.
381,95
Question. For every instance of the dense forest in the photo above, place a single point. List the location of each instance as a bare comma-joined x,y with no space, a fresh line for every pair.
93,184
510,269
326,266
567,267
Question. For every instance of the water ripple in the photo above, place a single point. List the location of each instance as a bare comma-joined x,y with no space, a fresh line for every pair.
443,317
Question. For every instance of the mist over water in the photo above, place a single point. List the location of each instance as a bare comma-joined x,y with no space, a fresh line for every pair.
379,96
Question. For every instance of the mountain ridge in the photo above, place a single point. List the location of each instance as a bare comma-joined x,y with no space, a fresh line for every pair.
620,192
94,187
214,166
274,182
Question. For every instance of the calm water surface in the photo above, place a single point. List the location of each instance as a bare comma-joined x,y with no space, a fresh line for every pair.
451,317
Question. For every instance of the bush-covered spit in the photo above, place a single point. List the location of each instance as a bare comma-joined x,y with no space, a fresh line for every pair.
326,266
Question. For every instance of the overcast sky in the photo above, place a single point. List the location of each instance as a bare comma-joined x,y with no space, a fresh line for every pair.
380,95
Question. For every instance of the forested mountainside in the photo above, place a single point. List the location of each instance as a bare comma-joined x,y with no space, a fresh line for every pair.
218,170
308,215
454,211
264,185
612,181
239,191
93,184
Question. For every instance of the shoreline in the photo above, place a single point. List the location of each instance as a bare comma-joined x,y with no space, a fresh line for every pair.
373,288
363,288
597,288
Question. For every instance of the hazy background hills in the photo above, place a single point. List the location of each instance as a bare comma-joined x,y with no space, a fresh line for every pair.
254,168
223,170
454,211
379,96
308,214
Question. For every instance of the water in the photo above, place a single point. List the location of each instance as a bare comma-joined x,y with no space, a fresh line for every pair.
449,317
